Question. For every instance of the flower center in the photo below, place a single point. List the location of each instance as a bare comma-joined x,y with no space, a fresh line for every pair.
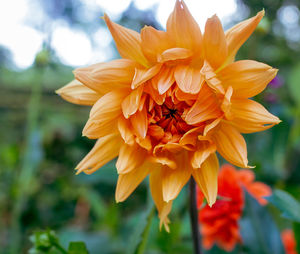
166,121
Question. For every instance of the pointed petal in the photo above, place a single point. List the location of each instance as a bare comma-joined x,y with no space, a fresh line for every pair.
204,150
105,149
154,42
128,42
105,77
139,123
184,30
215,44
104,114
207,178
132,102
231,145
163,207
247,78
206,107
75,92
142,75
250,116
174,179
127,183
237,35
164,79
188,79
130,157
125,129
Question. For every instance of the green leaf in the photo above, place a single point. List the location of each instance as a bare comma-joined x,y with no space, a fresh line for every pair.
77,248
289,206
294,83
259,232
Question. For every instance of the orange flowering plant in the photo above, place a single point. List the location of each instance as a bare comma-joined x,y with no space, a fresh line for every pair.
173,100
220,223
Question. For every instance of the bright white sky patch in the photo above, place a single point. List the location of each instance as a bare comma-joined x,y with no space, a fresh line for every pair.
73,47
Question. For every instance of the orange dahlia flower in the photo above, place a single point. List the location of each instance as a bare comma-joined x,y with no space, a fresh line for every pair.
219,223
172,100
289,242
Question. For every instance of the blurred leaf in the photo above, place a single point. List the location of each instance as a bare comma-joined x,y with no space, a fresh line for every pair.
294,83
258,230
140,236
289,206
77,248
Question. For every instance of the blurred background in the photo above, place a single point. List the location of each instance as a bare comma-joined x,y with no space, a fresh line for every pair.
41,42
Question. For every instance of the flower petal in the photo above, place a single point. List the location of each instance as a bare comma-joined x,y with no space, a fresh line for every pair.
204,150
105,77
127,183
132,102
154,42
206,107
182,27
139,123
130,157
231,144
104,114
173,54
247,78
250,116
128,42
207,178
75,92
142,75
174,179
163,207
105,149
215,44
125,130
188,79
164,79
238,34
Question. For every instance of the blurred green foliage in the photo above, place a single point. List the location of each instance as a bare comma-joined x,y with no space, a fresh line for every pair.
41,143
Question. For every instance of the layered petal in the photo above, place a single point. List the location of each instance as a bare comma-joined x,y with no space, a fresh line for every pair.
206,107
247,78
139,122
173,180
154,43
125,129
174,54
250,116
204,150
128,182
142,75
164,79
75,92
188,79
231,144
207,178
104,114
130,157
132,102
128,42
105,149
105,77
214,41
238,34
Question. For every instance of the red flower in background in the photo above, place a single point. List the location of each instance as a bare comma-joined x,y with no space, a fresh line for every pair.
219,223
288,240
